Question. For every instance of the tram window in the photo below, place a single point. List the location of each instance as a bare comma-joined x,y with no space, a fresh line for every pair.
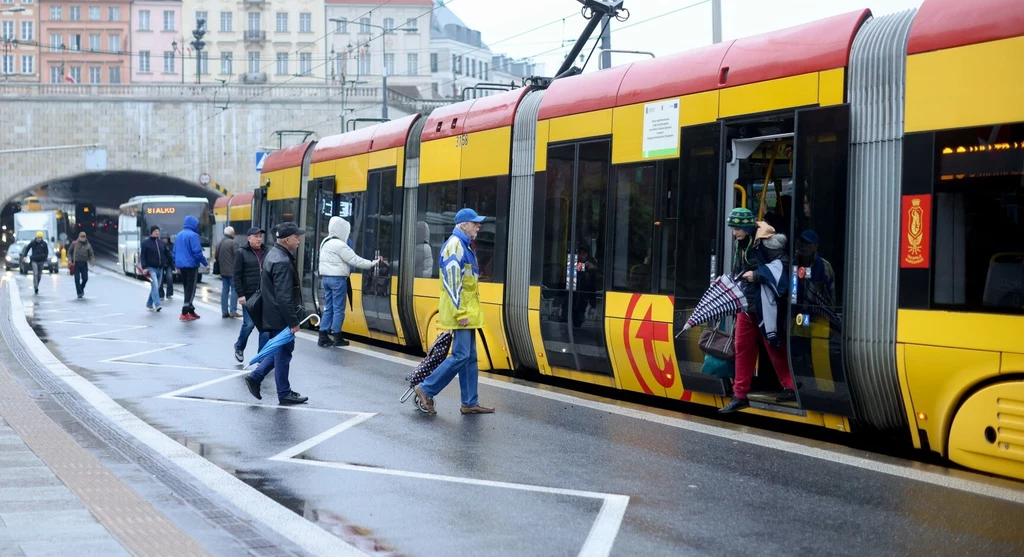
485,196
822,175
438,204
670,213
698,211
978,219
591,209
350,208
558,224
634,227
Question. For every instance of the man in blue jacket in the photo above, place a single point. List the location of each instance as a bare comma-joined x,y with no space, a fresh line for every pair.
188,256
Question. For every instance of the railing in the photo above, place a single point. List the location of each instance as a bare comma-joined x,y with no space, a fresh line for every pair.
252,36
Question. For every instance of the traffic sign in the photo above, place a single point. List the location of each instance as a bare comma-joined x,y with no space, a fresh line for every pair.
204,179
261,157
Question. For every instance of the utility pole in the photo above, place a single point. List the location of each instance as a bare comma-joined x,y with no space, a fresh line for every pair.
384,73
716,21
198,45
606,44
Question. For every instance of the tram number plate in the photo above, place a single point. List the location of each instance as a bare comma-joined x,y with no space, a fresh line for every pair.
462,140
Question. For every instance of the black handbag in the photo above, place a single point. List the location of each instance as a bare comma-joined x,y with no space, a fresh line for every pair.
216,267
717,343
254,307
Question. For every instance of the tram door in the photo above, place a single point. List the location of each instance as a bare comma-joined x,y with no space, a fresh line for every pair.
575,256
260,212
818,259
382,238
325,206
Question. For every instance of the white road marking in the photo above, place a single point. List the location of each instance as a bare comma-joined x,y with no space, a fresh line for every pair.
308,444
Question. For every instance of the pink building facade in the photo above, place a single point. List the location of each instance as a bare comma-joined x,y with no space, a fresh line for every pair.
158,41
84,41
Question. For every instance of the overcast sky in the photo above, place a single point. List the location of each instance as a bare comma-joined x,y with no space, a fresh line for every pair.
670,29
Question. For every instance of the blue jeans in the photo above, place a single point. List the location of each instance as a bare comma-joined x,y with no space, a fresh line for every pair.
227,290
168,281
154,286
279,363
462,361
335,289
247,327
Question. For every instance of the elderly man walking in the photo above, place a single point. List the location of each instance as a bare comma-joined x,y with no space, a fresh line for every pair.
227,249
459,310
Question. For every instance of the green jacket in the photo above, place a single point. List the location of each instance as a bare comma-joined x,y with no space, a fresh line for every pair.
460,288
81,252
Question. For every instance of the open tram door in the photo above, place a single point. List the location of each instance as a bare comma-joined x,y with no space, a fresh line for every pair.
260,214
382,238
325,206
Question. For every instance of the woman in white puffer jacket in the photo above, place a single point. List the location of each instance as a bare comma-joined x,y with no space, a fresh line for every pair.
336,262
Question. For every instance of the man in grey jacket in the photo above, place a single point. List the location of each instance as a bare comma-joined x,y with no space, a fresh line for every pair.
225,258
336,262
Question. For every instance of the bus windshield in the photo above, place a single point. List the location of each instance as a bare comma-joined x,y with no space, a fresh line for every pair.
170,217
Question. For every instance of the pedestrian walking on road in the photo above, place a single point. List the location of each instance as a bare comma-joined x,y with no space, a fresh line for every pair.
282,309
151,258
188,257
167,280
82,257
459,310
248,265
224,258
40,252
336,262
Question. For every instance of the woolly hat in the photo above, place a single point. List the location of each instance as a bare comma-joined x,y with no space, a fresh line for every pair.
742,218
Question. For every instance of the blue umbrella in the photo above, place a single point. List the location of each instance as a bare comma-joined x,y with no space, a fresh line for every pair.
279,340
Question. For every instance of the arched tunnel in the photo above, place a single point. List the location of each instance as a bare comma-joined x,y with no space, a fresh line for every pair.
103,192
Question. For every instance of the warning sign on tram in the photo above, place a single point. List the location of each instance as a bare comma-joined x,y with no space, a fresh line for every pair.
661,129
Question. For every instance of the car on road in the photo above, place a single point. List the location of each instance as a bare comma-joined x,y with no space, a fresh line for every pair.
14,259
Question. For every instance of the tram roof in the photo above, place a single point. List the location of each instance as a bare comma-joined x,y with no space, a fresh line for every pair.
386,135
812,47
941,24
240,199
289,157
474,115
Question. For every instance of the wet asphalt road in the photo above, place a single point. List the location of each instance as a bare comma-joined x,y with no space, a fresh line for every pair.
408,483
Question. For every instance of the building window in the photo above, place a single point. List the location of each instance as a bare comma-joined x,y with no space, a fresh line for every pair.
341,26
28,64
113,13
412,63
8,64
204,63
364,25
143,20
169,20
168,61
487,71
412,25
282,63
433,62
203,17
115,75
115,43
225,21
364,62
55,13
94,43
389,25
254,62
144,61
55,74
75,13
225,63
8,31
76,73
455,65
254,21
76,43
55,42
305,23
26,2
94,15
282,22
94,74
459,68
305,63
389,63
472,68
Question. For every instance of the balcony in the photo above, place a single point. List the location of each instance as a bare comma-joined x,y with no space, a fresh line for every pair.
255,36
253,3
256,77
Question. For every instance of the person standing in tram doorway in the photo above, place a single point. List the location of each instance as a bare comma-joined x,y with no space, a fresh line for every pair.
459,310
336,262
40,252
758,262
151,258
188,256
82,257
224,257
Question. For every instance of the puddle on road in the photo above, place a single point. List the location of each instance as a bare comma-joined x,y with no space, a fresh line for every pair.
40,331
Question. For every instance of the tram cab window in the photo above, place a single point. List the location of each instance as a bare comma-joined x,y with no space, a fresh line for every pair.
978,219
438,204
634,227
489,198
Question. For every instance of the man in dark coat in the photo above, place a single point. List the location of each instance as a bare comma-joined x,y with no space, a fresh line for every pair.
40,252
282,310
246,279
167,281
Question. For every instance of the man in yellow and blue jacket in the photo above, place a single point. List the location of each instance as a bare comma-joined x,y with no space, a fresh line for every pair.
459,310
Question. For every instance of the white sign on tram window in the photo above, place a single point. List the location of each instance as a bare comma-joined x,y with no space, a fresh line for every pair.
345,209
661,129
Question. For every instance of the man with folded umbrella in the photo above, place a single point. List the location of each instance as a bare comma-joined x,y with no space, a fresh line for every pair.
758,263
282,309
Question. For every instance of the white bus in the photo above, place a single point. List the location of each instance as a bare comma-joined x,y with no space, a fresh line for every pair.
166,211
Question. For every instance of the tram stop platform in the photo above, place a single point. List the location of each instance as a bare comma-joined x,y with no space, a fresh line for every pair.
129,432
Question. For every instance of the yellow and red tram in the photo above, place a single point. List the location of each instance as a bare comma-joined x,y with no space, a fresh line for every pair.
896,143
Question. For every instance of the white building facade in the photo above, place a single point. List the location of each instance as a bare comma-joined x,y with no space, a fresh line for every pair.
459,59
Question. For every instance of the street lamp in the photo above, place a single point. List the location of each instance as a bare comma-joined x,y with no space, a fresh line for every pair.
384,66
198,45
174,46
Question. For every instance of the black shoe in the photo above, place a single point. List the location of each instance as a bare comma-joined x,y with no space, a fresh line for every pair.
37,291
324,339
734,405
254,387
292,398
239,355
340,340
80,296
787,395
